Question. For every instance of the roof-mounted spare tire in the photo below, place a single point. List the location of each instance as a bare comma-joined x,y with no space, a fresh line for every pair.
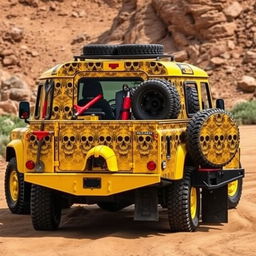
155,99
212,138
99,49
140,49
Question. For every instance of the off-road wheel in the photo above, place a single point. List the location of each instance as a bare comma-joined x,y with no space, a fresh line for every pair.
140,49
111,206
17,192
45,208
192,100
155,99
99,49
234,193
183,203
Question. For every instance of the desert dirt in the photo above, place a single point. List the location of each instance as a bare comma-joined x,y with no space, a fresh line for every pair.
90,230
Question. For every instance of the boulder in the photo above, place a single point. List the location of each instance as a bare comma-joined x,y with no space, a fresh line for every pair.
217,49
247,84
4,76
9,107
181,56
217,61
15,82
10,60
15,34
250,57
19,94
233,10
33,3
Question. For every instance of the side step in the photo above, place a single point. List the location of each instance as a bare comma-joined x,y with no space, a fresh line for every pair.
146,204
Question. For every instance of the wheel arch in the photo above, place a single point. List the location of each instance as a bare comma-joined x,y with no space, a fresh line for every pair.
15,149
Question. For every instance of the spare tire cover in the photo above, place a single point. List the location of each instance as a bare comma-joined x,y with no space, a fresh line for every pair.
212,138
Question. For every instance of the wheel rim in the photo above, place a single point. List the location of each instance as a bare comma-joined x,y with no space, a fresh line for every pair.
153,102
193,202
14,185
232,188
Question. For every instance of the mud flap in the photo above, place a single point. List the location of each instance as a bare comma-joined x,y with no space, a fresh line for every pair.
215,205
146,205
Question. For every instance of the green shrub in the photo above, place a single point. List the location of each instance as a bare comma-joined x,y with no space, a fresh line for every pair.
7,124
245,112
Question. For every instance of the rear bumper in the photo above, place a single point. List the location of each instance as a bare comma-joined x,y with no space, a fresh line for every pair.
84,184
217,178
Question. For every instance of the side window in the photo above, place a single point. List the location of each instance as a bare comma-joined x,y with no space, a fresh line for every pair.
191,97
38,99
206,99
44,100
49,89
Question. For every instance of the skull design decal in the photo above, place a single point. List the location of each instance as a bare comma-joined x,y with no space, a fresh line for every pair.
156,68
68,89
144,144
68,144
94,66
105,140
123,144
86,143
205,144
133,66
33,144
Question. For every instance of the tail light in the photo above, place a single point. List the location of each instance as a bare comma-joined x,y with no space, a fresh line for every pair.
151,165
30,165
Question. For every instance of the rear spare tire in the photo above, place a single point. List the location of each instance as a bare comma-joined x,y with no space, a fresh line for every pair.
212,138
140,49
99,49
155,99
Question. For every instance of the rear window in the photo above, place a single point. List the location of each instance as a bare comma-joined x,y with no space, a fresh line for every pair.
91,87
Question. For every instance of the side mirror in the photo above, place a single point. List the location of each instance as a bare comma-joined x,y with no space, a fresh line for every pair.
220,104
24,110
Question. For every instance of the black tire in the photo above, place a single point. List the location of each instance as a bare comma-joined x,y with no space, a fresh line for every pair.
155,99
112,206
21,205
194,143
45,208
192,100
179,203
99,49
66,203
140,49
233,200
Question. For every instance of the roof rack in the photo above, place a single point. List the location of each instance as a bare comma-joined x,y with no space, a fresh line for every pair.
143,56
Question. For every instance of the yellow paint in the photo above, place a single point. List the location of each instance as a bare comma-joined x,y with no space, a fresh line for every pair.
14,185
232,188
17,145
179,162
127,146
107,153
193,202
72,183
219,138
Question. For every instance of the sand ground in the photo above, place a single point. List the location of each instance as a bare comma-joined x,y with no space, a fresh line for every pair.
90,230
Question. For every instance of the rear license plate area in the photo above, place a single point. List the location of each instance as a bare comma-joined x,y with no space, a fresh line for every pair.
92,183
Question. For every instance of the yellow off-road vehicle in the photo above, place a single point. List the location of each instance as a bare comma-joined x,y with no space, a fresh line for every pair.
123,125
